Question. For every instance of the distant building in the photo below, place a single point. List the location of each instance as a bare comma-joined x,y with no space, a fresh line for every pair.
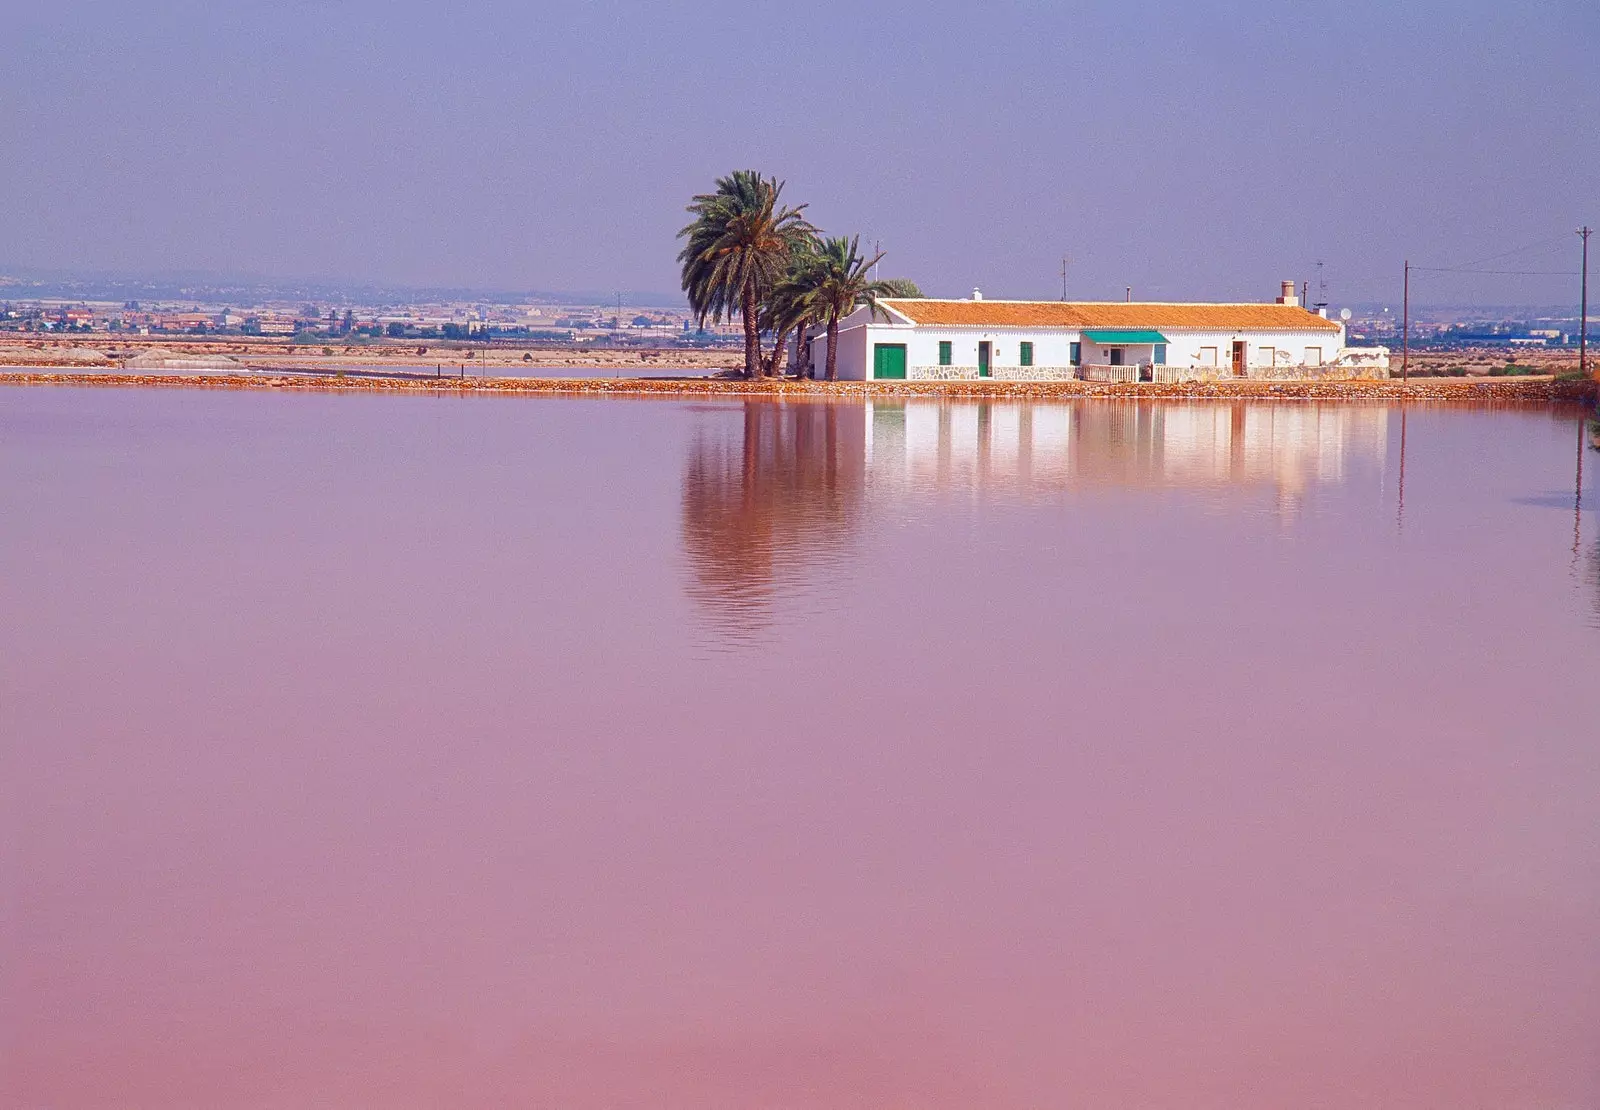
1108,341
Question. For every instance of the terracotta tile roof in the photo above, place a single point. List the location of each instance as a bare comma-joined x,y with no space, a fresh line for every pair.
1110,314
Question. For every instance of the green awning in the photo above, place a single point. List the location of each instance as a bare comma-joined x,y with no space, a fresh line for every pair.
1116,338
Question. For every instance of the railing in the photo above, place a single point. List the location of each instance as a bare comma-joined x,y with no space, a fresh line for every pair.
1110,373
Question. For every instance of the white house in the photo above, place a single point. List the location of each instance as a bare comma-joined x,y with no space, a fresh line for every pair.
1106,341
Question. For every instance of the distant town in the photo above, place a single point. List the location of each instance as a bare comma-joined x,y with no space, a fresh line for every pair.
322,314
350,321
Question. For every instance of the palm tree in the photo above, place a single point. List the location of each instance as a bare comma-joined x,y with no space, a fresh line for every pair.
904,287
843,281
738,248
789,307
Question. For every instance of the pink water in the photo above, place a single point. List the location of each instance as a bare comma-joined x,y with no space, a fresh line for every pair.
416,752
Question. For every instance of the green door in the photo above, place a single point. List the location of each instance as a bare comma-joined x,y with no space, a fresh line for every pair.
889,360
983,360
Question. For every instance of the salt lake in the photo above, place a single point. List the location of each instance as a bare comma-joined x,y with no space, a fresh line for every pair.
466,750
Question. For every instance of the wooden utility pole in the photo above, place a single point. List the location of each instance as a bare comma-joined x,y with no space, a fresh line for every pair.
1405,328
1063,277
1583,312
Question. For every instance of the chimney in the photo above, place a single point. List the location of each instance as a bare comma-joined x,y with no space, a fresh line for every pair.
977,294
1322,310
1286,294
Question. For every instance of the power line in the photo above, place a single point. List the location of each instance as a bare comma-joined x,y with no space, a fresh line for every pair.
1506,254
1523,273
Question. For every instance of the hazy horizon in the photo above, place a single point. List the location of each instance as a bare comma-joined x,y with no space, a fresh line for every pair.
1198,151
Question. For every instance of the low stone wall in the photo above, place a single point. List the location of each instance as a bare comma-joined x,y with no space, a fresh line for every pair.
940,373
1327,373
1034,373
1467,390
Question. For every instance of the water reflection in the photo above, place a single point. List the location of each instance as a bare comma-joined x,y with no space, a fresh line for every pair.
771,492
1045,447
764,500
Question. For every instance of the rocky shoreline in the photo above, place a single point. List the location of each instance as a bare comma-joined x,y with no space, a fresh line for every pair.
1470,390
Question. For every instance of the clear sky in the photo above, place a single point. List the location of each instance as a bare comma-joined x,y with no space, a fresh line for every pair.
1190,148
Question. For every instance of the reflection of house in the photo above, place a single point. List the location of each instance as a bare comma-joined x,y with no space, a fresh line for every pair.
1039,340
773,491
1050,446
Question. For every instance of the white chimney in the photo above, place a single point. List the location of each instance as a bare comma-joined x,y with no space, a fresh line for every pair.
977,294
1286,294
1323,312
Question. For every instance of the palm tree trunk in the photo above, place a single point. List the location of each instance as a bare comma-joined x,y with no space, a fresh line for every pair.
833,348
780,354
752,334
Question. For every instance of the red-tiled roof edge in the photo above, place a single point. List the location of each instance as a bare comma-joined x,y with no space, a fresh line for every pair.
1192,315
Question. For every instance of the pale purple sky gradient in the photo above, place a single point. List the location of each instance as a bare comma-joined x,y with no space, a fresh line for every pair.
1191,149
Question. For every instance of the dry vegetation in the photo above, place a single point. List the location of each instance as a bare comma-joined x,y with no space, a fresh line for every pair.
1477,362
271,354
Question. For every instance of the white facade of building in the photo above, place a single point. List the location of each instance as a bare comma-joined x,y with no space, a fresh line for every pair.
1043,340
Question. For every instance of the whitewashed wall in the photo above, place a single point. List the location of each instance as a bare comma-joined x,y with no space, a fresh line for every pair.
1052,347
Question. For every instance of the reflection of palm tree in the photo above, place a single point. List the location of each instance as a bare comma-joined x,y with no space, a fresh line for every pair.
758,515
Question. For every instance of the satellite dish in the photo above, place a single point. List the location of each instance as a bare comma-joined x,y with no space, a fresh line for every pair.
1344,314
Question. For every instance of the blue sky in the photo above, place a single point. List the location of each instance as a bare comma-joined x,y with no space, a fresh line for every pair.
1191,150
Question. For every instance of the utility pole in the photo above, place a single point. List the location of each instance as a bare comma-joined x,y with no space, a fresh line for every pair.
1063,277
1583,313
1405,328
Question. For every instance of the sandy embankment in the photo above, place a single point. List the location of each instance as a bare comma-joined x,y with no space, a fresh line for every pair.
1469,390
152,353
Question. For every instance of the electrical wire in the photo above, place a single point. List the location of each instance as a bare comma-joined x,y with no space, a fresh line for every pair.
1464,267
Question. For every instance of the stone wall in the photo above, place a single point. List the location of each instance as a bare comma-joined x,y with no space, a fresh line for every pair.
941,373
1033,373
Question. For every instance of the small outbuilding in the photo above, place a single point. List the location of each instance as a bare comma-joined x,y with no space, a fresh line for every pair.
1099,341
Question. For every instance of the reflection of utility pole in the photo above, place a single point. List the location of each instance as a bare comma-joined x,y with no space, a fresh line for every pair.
1400,511
1577,498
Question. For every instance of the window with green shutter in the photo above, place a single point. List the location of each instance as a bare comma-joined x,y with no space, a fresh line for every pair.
1077,354
1027,354
1161,354
946,355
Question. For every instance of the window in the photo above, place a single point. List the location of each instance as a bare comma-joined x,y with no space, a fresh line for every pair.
1269,356
1027,354
1160,358
1208,356
1313,356
946,354
1116,356
1076,355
